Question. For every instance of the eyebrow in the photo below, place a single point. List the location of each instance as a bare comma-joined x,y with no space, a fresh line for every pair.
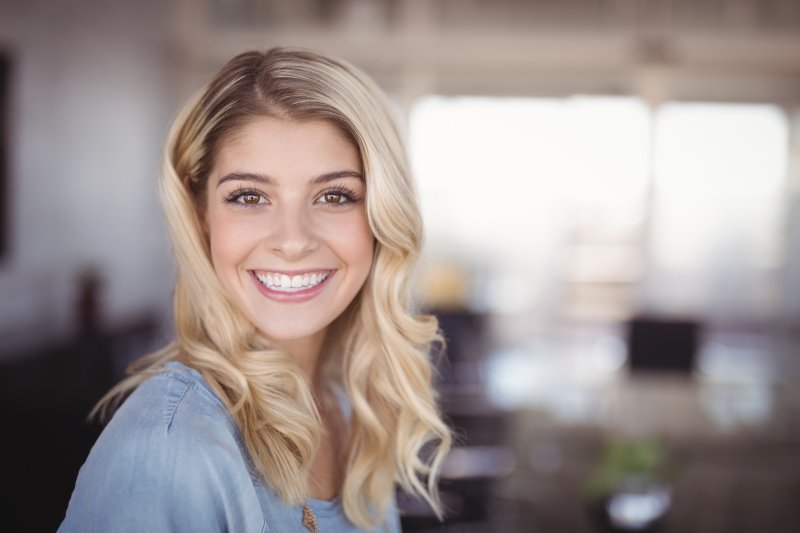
266,180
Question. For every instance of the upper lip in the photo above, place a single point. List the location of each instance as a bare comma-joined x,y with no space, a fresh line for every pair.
292,272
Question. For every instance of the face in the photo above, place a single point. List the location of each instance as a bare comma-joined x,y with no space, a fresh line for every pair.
288,228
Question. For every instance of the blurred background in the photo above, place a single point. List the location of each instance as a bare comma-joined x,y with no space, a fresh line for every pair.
612,196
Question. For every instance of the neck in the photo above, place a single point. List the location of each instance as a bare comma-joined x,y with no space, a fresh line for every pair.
307,352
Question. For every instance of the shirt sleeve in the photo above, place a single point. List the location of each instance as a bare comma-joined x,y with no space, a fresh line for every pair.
168,461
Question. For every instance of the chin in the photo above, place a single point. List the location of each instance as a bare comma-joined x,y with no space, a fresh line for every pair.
283,335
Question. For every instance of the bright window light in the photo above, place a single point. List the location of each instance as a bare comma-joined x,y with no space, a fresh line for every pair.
720,173
503,182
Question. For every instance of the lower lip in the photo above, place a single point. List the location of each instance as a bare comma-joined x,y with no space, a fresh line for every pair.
292,297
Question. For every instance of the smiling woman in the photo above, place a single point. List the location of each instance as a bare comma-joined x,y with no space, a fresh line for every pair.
298,390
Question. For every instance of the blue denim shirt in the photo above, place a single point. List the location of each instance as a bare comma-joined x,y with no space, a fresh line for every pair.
172,459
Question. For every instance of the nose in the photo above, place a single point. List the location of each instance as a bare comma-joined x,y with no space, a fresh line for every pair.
292,235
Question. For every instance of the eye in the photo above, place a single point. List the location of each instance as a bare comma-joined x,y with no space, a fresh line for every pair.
246,198
250,199
333,198
338,196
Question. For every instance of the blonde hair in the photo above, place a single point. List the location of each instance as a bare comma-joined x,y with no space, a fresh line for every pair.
378,350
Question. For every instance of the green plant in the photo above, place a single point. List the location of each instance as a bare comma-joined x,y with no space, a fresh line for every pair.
629,464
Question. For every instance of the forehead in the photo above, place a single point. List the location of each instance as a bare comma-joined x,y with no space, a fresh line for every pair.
282,146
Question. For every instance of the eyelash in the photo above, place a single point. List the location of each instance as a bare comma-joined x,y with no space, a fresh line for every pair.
349,195
233,198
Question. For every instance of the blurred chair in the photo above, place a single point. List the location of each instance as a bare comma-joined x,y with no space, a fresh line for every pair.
663,345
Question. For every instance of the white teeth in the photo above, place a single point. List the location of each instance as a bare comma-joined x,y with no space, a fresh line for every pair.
285,283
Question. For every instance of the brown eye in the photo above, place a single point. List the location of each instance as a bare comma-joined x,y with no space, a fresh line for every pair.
246,198
338,196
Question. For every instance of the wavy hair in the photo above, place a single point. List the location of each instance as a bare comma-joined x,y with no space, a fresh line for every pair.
377,349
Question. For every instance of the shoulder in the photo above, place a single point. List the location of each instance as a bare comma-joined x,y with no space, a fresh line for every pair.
172,449
171,417
175,404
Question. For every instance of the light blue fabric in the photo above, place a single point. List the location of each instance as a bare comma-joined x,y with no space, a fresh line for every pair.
172,460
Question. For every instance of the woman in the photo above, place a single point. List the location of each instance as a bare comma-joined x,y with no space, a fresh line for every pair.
298,390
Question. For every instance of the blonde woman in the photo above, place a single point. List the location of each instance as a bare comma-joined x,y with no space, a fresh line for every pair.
297,393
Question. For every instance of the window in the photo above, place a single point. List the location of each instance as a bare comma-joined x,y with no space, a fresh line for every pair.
719,184
542,199
597,208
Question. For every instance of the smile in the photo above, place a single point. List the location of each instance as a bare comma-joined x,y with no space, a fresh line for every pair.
285,283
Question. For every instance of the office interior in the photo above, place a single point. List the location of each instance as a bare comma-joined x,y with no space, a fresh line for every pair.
611,192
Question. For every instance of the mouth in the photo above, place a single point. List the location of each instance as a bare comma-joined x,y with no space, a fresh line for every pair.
291,283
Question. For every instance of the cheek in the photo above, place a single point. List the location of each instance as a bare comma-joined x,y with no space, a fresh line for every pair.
228,242
351,240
